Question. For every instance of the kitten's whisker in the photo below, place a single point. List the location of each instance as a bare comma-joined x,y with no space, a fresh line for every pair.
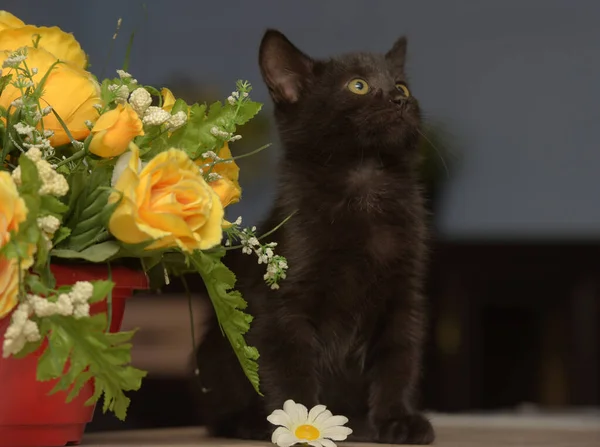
437,151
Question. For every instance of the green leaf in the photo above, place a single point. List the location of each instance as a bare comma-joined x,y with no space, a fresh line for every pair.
101,290
93,354
88,218
248,110
30,180
229,306
159,144
179,106
96,253
54,358
35,285
52,205
4,81
195,137
61,234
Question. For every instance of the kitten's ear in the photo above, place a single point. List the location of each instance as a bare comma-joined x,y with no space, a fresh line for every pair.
285,69
397,55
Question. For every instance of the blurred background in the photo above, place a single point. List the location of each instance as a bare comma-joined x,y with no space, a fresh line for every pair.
511,94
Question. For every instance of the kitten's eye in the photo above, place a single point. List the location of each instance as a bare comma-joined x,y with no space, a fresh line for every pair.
358,86
403,88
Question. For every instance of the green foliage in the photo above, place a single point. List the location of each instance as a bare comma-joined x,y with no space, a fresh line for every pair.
89,202
197,136
4,81
229,307
95,253
93,354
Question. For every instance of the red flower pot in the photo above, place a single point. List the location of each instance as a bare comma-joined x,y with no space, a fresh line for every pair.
29,417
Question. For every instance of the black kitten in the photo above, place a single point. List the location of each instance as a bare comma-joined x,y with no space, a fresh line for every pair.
346,327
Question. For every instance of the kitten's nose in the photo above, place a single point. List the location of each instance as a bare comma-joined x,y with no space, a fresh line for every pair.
397,98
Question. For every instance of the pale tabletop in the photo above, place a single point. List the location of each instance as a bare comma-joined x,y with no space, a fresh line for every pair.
573,430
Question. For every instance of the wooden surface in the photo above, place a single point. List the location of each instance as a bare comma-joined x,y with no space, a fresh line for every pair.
582,430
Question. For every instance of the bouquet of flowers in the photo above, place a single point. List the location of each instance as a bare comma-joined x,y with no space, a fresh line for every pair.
97,171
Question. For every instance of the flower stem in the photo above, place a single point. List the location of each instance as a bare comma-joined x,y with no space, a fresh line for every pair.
192,324
268,233
74,157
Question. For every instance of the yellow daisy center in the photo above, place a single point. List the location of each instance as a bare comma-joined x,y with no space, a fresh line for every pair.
307,432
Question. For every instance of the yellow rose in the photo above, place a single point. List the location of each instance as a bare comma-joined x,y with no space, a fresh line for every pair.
9,285
114,130
12,208
69,90
61,45
167,201
227,187
7,20
168,99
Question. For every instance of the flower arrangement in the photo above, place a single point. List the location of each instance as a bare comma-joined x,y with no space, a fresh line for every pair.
103,171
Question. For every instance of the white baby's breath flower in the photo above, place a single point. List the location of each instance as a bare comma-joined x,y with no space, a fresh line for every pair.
48,224
317,427
140,100
123,74
238,221
34,71
47,110
64,305
122,93
213,177
20,331
53,183
81,311
98,107
17,103
81,292
231,100
235,138
24,129
210,154
48,133
176,121
13,61
155,116
218,132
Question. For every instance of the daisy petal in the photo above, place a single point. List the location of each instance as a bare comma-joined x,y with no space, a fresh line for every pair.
337,433
287,440
333,421
289,406
316,443
328,443
322,417
314,412
302,413
280,417
278,433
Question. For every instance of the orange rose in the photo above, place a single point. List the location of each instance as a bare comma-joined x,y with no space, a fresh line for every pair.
12,208
166,201
9,285
114,130
69,90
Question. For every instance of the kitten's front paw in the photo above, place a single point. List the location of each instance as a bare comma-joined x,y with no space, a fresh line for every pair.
406,429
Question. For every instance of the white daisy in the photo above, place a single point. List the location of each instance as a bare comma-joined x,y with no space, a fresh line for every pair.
318,428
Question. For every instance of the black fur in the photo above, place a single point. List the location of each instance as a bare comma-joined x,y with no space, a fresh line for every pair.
347,325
